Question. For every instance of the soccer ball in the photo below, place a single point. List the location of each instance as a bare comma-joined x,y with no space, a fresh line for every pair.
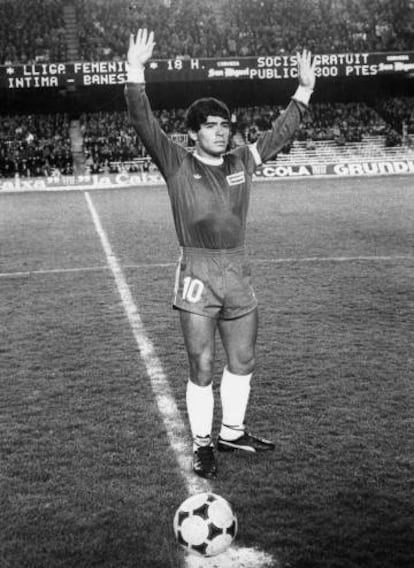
205,524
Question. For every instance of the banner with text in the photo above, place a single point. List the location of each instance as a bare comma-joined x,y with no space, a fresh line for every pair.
104,73
266,172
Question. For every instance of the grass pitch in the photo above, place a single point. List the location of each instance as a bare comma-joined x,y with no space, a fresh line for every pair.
87,475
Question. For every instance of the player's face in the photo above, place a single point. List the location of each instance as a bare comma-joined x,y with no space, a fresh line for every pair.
213,137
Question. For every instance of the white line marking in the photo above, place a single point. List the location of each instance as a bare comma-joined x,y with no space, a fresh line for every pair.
174,425
49,271
82,269
288,260
316,259
170,414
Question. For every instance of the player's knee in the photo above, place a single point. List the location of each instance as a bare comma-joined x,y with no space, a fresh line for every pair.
201,368
243,363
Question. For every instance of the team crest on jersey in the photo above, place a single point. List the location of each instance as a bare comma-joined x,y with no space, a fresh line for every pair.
236,179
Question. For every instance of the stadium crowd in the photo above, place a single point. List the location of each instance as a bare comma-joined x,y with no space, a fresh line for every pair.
32,34
220,28
263,27
204,28
35,145
40,144
399,114
110,142
341,122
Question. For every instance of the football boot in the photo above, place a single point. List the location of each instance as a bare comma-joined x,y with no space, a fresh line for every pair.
204,462
245,443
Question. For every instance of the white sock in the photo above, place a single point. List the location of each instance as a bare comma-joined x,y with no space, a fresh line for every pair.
234,392
200,407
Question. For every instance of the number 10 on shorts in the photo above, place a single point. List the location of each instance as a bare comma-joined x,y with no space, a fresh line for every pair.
192,290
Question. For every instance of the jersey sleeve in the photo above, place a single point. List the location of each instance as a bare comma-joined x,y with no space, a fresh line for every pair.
283,130
166,154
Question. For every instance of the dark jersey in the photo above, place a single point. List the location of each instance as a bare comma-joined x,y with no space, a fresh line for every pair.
209,202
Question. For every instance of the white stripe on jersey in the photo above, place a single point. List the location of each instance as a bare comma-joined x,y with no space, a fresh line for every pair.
177,274
255,153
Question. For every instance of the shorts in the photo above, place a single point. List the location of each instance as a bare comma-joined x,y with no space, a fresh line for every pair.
214,283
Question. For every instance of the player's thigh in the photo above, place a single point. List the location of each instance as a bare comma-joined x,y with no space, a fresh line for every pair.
239,340
199,337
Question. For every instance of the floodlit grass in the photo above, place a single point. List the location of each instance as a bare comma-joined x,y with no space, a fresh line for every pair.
86,472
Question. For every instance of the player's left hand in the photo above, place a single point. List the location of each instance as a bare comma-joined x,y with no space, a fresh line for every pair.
306,69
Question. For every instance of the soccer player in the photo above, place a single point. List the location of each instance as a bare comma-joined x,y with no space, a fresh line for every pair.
209,190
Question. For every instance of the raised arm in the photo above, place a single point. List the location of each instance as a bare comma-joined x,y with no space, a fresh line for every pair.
139,53
165,153
306,70
285,127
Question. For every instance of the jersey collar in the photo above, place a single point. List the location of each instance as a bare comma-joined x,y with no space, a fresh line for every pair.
209,161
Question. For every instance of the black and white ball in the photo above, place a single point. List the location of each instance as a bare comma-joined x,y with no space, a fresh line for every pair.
205,524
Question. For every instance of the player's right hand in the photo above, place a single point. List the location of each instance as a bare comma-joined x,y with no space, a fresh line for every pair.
140,48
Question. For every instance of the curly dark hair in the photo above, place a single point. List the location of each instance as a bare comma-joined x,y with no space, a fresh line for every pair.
200,109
